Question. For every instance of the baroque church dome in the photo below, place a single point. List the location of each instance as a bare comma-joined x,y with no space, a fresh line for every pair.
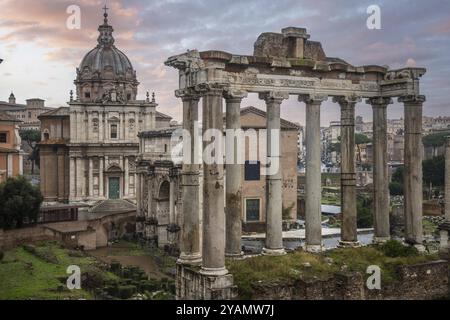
106,74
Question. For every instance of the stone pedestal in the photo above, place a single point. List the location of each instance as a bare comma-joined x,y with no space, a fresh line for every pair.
191,284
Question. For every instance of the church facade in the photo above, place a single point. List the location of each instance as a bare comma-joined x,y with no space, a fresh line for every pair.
105,118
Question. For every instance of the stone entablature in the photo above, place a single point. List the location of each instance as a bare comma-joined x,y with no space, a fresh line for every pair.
294,74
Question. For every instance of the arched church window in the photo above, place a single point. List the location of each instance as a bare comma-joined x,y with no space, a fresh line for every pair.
46,136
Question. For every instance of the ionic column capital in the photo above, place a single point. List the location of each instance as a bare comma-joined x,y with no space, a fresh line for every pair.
412,99
379,101
347,100
274,96
234,95
187,94
312,98
214,89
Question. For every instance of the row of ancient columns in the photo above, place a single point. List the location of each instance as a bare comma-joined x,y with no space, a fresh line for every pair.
222,237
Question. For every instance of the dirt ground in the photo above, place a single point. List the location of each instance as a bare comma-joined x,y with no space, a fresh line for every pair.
126,256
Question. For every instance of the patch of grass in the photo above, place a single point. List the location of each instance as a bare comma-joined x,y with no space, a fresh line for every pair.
358,259
263,268
429,227
292,266
24,275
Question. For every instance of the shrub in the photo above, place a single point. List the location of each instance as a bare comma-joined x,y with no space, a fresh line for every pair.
19,203
393,249
125,292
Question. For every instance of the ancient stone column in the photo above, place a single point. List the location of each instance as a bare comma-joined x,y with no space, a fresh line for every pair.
349,232
413,198
380,169
233,171
274,234
213,262
190,234
313,186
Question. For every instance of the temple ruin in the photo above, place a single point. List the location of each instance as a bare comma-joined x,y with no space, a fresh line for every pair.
285,64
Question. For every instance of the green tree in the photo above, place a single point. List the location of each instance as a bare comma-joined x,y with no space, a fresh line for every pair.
32,138
362,139
364,210
435,140
19,203
396,188
434,171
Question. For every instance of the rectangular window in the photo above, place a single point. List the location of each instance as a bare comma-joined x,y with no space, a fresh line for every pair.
114,131
252,171
252,209
3,137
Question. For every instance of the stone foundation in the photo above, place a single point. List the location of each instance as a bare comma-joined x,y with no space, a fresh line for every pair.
192,285
416,282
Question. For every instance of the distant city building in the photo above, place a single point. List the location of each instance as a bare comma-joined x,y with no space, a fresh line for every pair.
27,113
11,155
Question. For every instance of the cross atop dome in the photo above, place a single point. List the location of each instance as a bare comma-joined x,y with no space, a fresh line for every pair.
105,8
105,39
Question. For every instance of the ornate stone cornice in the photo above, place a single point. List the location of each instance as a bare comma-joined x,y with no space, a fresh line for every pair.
412,99
234,94
312,98
344,100
380,101
272,96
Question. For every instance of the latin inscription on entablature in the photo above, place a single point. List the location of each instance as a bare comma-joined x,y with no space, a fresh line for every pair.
270,80
254,79
394,88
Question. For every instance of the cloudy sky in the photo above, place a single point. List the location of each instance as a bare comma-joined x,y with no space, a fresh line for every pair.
41,54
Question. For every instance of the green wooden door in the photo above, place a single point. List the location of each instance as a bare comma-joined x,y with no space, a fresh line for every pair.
114,188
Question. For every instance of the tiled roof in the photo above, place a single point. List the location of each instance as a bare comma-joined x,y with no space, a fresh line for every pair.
160,115
58,112
284,123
